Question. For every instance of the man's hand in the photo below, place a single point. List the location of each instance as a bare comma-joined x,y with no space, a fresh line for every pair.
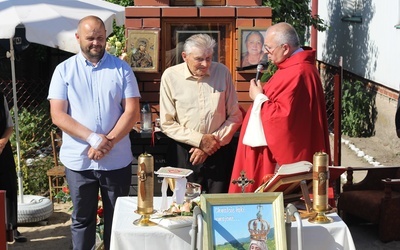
95,154
104,147
255,88
209,144
198,156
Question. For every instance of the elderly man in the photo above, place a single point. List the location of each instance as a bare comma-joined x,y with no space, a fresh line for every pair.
291,108
200,111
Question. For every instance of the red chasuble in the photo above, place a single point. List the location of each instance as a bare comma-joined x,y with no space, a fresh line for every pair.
294,121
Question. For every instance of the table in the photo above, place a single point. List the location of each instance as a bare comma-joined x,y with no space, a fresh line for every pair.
126,235
331,236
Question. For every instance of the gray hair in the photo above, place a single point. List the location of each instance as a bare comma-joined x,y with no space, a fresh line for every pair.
203,42
285,33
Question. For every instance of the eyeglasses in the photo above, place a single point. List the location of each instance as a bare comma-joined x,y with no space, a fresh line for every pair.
270,51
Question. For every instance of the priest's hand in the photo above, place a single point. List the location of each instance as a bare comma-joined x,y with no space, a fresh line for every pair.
255,88
198,156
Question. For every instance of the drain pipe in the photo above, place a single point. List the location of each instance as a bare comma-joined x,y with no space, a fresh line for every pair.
314,31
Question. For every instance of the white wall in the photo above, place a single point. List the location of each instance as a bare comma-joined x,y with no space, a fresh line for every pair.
370,49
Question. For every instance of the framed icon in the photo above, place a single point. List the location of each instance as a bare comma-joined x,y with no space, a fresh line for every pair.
142,50
238,221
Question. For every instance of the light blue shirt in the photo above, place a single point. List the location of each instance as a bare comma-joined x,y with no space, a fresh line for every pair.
94,95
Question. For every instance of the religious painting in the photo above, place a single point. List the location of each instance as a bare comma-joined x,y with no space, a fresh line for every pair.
250,47
243,221
142,50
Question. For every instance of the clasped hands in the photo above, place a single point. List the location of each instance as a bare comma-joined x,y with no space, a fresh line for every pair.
102,149
209,145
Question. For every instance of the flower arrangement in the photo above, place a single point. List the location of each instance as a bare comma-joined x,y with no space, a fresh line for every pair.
184,209
115,47
100,220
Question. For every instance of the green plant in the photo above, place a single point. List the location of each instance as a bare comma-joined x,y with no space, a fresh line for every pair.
297,13
34,133
63,195
119,31
115,46
358,109
100,219
269,72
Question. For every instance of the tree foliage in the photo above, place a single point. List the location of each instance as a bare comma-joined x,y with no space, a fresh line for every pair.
297,13
119,31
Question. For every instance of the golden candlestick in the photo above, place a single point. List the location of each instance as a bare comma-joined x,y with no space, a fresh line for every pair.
320,188
145,174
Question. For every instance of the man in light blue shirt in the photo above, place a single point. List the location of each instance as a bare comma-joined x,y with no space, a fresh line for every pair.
94,100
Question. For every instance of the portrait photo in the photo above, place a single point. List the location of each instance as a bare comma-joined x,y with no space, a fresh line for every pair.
142,50
182,35
251,45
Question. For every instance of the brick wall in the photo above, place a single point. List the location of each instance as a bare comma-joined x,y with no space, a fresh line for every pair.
148,14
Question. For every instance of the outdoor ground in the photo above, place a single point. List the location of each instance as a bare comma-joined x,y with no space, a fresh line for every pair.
53,234
383,148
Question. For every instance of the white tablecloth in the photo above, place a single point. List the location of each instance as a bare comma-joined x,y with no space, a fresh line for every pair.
126,235
330,236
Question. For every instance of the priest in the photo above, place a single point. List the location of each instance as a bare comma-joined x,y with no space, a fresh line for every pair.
287,121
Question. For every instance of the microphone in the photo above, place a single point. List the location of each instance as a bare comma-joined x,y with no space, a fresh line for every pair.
263,63
259,68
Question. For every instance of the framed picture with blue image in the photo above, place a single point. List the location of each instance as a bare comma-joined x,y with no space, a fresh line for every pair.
242,221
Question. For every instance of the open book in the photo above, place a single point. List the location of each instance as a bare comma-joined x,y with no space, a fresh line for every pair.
288,178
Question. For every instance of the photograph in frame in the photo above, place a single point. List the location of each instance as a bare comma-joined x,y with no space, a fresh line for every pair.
142,50
182,35
250,46
236,221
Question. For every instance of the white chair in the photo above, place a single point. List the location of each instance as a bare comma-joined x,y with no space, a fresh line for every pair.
197,230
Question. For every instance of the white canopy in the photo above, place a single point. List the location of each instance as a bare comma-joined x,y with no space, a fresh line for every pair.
52,23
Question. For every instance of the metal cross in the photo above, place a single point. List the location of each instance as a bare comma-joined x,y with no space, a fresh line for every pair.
243,181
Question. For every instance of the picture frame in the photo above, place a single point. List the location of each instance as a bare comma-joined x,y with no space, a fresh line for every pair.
250,46
182,35
232,220
142,48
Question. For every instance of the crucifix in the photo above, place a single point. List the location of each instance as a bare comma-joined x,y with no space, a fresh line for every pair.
243,181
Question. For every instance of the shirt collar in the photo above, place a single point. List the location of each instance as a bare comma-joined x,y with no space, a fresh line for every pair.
189,74
88,63
297,51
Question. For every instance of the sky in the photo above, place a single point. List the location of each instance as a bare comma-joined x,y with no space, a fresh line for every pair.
231,221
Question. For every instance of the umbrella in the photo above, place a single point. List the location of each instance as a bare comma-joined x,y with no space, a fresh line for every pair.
52,23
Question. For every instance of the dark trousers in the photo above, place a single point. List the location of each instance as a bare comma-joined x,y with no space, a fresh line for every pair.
213,175
8,182
84,189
